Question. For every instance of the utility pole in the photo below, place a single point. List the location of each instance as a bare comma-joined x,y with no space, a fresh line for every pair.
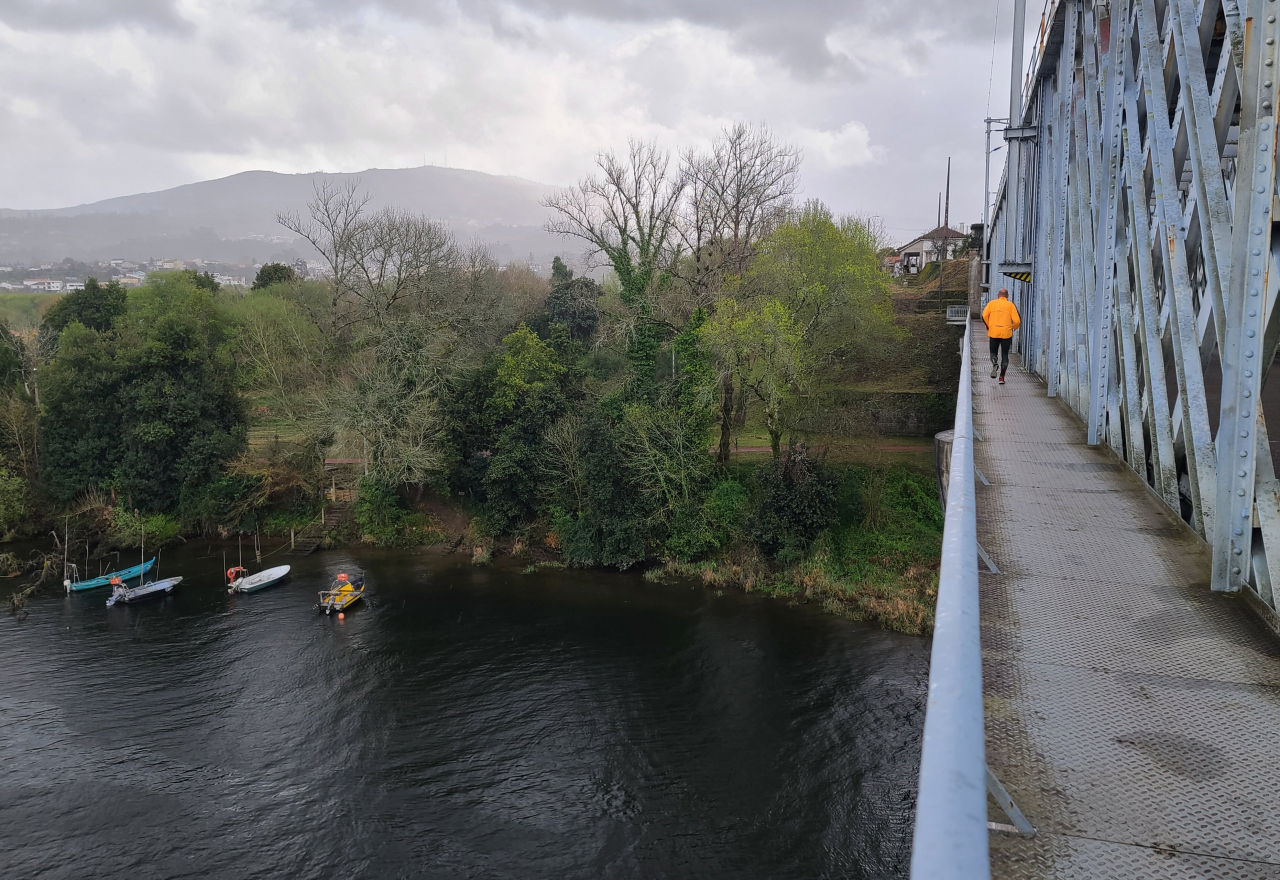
946,213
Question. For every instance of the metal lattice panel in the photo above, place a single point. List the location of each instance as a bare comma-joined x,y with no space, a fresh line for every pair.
1140,188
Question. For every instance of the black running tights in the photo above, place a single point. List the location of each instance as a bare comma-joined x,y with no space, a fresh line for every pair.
1000,350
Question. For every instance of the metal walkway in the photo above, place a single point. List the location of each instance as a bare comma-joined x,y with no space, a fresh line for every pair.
1133,715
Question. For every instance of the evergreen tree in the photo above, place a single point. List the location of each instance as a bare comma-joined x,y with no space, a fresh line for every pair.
273,273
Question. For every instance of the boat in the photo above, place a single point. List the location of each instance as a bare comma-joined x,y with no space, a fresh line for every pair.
342,593
124,575
121,593
240,581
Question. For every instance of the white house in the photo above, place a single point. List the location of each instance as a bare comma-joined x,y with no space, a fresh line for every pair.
913,255
48,285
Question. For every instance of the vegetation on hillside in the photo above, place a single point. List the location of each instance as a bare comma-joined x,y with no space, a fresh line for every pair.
589,423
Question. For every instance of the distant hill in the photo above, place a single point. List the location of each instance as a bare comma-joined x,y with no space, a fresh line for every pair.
232,219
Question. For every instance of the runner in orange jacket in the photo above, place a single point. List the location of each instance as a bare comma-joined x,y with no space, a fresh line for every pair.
1002,318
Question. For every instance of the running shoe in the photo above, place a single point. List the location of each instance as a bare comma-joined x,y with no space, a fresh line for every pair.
1002,380
995,369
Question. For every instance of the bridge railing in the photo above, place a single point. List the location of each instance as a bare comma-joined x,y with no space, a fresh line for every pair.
951,809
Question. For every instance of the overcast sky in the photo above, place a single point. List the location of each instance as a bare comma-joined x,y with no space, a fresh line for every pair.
100,98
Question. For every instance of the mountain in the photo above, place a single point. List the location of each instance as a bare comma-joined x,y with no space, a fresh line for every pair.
233,219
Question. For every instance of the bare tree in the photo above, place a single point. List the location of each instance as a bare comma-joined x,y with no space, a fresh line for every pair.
737,193
628,213
396,254
334,226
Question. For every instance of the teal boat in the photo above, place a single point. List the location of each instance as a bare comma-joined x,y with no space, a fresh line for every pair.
125,575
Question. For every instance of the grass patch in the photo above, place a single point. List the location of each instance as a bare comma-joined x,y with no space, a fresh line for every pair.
20,310
543,566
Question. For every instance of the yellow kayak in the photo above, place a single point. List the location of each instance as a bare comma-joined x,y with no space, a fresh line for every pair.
344,592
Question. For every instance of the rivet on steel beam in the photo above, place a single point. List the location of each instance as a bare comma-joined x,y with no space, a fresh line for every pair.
1240,474
1244,434
1235,570
1239,531
1243,454
1237,551
1251,334
1248,354
1257,230
1253,313
1248,374
1240,492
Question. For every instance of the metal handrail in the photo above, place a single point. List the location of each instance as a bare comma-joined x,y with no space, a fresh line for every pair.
951,808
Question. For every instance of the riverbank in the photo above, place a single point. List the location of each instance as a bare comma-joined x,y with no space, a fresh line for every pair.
875,557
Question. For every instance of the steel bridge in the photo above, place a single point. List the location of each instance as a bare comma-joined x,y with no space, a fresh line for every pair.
1114,662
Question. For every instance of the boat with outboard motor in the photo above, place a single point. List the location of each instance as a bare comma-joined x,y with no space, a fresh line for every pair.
342,593
240,581
122,594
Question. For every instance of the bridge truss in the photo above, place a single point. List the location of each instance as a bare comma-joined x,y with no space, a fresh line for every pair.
1140,194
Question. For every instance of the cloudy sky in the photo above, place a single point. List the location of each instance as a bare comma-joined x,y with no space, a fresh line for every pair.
100,98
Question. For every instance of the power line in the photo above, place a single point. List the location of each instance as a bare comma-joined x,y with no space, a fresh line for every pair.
991,73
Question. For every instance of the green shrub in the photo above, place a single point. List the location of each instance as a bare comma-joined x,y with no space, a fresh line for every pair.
382,518
13,501
699,528
611,526
797,501
130,529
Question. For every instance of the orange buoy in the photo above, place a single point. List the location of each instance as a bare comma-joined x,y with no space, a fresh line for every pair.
341,616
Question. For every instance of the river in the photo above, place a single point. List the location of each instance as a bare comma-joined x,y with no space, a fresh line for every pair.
465,722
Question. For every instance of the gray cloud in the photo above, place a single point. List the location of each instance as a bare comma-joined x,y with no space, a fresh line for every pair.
118,96
91,15
794,34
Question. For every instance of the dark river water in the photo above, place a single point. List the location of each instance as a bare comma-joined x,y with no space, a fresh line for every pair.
464,722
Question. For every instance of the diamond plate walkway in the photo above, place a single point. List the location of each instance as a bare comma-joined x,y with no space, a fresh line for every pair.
1133,715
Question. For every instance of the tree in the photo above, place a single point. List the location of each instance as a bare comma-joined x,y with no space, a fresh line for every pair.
149,408
273,273
202,280
737,193
573,304
560,273
764,347
333,225
96,306
827,274
629,213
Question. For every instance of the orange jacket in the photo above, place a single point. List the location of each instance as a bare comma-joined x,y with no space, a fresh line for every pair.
1001,317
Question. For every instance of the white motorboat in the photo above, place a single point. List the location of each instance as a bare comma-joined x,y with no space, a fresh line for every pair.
240,581
121,593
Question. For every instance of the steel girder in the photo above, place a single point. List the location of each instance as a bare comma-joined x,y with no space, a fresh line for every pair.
1145,205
